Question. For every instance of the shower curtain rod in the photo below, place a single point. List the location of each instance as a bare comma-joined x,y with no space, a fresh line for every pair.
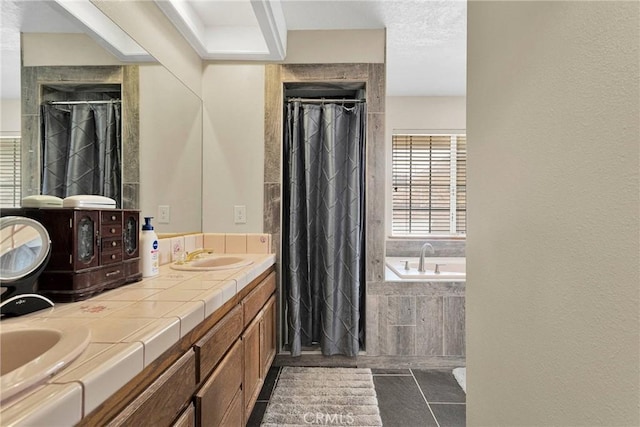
83,102
323,100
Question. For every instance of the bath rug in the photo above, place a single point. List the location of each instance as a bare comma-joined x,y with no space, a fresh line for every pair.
461,376
323,396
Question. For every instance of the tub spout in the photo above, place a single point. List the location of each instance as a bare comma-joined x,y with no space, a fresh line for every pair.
426,246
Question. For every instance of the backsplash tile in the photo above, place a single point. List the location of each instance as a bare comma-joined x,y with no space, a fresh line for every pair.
215,241
177,248
164,251
236,243
192,242
258,243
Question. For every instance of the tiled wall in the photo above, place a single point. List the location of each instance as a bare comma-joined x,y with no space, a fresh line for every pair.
416,319
172,248
411,248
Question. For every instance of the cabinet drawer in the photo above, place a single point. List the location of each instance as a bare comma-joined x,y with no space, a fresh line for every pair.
216,396
110,257
112,230
109,217
163,400
108,274
253,302
110,244
210,348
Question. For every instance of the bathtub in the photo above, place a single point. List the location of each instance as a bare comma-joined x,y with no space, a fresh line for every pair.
449,269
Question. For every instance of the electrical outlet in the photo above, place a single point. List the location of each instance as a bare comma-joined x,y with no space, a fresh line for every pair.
240,214
164,214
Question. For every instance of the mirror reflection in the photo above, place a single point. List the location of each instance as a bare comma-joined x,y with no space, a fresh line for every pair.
160,160
22,247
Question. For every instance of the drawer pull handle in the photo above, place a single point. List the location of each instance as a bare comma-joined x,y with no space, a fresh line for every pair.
113,273
113,256
114,244
113,230
113,217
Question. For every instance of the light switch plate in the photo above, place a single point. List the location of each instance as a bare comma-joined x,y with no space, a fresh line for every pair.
240,214
164,214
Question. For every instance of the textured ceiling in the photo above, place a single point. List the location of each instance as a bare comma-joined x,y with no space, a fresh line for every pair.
426,40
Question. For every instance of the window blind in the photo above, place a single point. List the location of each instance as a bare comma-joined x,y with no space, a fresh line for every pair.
10,172
429,184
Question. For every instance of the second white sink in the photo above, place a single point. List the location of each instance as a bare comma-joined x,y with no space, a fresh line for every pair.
218,262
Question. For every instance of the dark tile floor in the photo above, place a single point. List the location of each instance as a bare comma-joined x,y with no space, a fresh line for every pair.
406,398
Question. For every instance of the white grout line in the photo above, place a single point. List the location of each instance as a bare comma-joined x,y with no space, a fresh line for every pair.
425,398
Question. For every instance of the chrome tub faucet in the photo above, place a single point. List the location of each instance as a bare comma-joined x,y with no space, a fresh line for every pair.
426,246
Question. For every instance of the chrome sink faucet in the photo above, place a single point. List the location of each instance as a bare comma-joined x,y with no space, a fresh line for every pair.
426,246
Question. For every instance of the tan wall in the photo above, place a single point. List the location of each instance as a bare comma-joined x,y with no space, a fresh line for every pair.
64,49
415,113
10,117
170,150
335,46
233,145
553,201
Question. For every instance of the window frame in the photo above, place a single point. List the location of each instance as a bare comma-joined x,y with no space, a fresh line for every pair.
10,173
454,185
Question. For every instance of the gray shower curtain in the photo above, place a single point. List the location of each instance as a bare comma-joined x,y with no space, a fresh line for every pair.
81,149
323,226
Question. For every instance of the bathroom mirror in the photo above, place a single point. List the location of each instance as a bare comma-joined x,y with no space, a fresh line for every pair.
167,158
24,249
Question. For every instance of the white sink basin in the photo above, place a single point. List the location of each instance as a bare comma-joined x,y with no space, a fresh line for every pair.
219,262
29,355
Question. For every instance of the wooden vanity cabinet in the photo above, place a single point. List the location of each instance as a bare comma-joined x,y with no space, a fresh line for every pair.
92,250
211,377
254,349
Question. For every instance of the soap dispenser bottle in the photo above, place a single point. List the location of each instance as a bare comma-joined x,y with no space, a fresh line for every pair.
150,250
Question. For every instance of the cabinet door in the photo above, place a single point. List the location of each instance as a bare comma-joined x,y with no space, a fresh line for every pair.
252,363
86,252
163,400
268,336
131,221
215,398
187,418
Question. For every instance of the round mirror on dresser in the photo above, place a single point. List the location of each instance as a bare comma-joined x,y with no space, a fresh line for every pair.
25,248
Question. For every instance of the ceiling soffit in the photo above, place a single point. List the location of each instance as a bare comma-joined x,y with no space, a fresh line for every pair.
231,30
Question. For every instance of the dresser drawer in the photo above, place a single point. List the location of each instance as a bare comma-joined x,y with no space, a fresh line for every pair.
107,275
110,230
108,217
111,244
111,257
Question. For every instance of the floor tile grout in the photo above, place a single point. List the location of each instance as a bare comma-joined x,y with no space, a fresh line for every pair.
411,374
425,398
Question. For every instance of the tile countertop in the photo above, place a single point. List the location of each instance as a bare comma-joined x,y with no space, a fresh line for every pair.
130,327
